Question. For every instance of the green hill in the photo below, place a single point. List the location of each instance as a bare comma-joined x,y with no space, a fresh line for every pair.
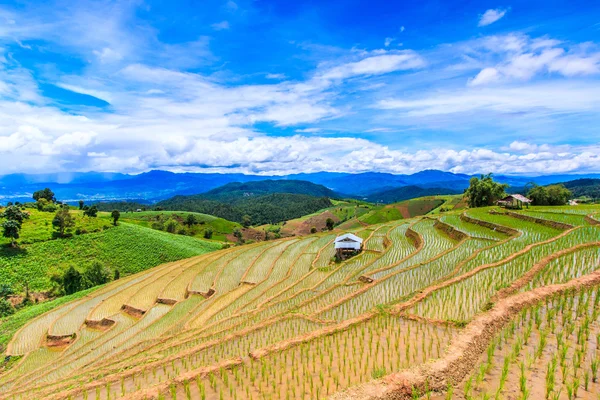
407,192
235,191
127,247
159,219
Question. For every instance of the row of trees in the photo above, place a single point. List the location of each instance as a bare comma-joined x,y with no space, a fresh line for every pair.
484,191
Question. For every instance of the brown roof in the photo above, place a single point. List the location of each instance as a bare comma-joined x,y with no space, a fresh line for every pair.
519,197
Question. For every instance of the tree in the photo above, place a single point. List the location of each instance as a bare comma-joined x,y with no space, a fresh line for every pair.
551,195
238,235
12,226
246,221
329,223
91,212
71,281
94,275
63,221
483,191
6,308
14,213
171,226
10,230
117,275
190,220
81,203
6,290
208,233
44,194
313,230
115,215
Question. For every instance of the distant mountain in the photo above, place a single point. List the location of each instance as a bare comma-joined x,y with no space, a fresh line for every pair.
154,186
235,191
584,187
407,192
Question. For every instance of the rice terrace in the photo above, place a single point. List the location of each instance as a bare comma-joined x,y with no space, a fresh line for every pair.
299,200
467,304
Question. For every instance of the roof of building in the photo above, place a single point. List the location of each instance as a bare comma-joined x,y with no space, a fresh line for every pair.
517,197
348,237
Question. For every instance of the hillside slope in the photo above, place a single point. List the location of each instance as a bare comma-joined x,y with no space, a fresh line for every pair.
281,319
128,248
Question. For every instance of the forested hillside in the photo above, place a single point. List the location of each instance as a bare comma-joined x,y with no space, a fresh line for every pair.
265,209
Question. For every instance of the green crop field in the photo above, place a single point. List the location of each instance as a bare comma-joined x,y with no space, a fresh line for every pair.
219,226
38,227
465,303
128,248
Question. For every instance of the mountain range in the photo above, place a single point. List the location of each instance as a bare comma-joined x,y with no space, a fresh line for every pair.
153,186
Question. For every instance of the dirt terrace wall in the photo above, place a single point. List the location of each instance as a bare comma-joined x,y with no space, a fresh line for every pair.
465,351
590,219
490,225
414,237
541,221
449,230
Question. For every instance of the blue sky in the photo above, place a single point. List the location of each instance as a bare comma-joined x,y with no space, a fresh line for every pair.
279,87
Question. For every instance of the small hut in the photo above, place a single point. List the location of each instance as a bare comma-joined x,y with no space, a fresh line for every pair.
347,245
514,201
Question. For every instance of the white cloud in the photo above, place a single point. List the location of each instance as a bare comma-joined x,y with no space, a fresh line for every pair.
485,76
491,16
376,65
521,58
388,41
402,29
102,95
541,99
223,25
309,130
275,76
107,55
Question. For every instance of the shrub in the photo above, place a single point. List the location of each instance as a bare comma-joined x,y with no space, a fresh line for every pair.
6,308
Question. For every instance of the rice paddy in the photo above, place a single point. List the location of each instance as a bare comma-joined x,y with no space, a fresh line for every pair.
283,319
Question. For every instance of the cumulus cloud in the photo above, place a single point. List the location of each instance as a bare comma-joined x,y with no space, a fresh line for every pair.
521,58
491,16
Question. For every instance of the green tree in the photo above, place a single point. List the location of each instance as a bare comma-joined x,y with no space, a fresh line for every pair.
208,233
44,194
551,195
71,281
94,275
6,290
6,308
10,230
329,223
171,226
313,230
117,275
238,235
11,227
483,191
246,221
81,203
115,215
190,220
91,212
63,221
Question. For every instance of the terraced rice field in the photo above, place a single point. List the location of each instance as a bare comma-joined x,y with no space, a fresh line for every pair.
469,304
